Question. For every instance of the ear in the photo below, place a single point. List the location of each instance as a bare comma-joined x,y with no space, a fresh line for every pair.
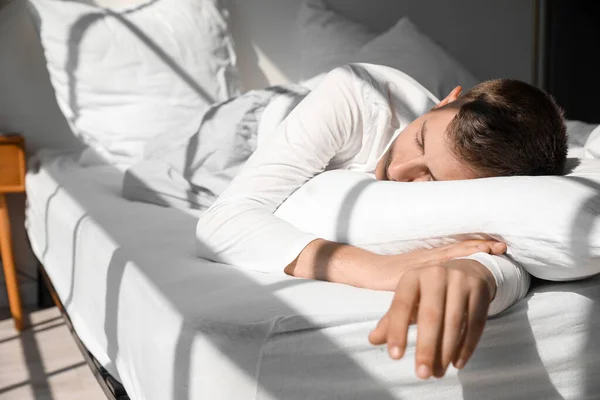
450,98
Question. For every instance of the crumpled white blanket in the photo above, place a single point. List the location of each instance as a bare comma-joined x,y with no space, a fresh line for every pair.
191,169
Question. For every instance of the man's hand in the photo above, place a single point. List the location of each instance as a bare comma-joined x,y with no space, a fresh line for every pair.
449,302
395,266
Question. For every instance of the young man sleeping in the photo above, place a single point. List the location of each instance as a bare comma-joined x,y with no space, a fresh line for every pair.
375,119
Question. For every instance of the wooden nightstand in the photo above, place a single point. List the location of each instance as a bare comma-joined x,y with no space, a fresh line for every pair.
12,180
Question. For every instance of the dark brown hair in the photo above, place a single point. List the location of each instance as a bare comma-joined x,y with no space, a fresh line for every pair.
506,127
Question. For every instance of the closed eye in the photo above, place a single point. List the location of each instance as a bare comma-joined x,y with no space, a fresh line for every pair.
419,139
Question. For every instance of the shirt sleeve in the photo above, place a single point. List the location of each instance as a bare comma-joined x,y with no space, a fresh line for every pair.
240,228
512,281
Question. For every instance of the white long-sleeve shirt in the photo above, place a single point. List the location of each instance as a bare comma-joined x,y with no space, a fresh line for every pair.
347,122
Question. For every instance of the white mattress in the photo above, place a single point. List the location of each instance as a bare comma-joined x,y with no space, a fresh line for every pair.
171,326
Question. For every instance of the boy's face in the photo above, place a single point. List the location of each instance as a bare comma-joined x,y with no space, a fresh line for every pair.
421,152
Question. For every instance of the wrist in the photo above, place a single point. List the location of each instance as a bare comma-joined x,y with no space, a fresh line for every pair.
387,271
308,264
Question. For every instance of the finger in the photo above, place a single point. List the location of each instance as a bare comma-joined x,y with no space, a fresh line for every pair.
400,313
498,248
379,334
457,299
479,302
488,246
430,321
439,255
471,247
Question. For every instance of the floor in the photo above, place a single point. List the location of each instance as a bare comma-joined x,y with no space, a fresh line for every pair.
43,361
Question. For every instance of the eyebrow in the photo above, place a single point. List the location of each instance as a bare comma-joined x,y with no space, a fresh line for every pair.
423,135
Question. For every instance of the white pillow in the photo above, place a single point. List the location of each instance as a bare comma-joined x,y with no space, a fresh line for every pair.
578,133
549,223
123,77
591,148
330,40
406,48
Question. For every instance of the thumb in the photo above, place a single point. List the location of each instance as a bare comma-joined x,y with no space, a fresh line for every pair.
498,248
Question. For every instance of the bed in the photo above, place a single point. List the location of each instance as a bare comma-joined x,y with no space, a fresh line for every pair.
170,326
161,323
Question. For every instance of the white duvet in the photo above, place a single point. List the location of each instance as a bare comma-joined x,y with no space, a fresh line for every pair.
171,326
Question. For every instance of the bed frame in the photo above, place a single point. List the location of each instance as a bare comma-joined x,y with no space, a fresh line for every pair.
48,297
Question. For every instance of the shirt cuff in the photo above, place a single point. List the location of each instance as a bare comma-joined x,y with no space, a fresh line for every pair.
512,281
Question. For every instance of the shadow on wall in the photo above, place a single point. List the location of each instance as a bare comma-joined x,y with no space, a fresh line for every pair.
27,101
248,66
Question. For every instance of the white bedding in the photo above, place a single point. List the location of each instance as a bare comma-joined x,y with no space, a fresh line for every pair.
171,326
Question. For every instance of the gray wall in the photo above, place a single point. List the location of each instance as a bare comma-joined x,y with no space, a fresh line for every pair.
27,102
492,38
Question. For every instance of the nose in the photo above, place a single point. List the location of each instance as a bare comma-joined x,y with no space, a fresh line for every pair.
412,170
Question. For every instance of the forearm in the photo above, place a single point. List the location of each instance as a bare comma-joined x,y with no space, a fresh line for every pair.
334,262
247,236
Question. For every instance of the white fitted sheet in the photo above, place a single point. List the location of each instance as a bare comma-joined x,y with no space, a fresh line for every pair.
171,326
